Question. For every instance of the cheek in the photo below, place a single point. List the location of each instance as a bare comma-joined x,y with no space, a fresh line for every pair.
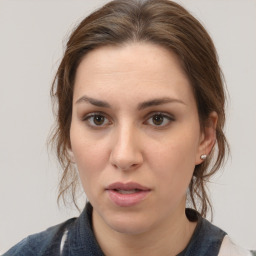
90,157
90,163
174,161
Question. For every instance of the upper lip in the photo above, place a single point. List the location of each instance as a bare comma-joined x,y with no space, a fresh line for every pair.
127,186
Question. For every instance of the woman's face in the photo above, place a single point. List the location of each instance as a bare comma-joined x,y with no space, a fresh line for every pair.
135,135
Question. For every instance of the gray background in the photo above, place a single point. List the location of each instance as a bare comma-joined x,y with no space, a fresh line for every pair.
32,34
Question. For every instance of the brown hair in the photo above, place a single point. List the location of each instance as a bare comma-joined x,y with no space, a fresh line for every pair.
161,22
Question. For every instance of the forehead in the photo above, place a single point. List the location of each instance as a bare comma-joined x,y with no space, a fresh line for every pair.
135,68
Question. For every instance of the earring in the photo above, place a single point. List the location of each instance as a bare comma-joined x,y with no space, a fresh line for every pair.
203,157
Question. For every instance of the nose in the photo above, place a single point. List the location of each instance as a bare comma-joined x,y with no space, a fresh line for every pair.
126,153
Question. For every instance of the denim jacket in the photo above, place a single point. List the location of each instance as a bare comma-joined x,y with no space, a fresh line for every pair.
75,238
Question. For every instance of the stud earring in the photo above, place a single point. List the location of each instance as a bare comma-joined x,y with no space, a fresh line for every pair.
203,157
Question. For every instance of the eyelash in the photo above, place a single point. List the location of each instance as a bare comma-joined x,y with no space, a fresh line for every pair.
166,118
89,119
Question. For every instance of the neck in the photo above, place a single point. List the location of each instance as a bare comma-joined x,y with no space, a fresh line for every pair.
167,238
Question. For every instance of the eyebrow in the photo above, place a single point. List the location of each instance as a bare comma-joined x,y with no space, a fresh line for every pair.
141,106
158,101
95,102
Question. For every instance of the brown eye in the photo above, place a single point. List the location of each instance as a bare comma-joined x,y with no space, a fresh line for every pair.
158,119
98,120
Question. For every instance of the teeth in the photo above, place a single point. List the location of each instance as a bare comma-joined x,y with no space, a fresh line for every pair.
127,191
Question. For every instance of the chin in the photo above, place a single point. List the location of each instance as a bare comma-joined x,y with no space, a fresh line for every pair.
129,223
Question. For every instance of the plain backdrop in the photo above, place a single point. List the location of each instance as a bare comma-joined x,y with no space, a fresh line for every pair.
32,36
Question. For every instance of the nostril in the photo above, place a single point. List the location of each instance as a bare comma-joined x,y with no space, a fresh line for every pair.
126,166
125,152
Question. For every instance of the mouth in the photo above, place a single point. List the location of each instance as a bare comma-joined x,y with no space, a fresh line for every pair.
127,194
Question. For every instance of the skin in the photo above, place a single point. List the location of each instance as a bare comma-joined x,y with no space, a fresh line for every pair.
125,144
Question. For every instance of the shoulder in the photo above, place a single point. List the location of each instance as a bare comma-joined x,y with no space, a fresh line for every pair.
229,248
41,243
206,239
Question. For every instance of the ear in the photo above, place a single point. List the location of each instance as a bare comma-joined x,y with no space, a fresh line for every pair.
208,137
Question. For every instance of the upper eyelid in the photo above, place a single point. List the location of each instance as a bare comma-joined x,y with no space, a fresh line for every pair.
165,114
151,113
95,114
170,118
92,114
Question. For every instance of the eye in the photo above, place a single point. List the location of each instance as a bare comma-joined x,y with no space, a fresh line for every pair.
96,120
160,119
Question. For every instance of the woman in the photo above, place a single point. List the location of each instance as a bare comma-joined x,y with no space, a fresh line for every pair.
140,113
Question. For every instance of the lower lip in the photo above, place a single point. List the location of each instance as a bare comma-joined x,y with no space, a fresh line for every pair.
125,200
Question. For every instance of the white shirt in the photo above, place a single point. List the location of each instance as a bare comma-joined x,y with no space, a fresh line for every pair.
229,248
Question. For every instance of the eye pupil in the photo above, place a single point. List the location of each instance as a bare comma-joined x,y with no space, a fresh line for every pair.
158,119
98,120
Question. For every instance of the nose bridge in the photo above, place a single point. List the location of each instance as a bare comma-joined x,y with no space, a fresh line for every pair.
125,152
